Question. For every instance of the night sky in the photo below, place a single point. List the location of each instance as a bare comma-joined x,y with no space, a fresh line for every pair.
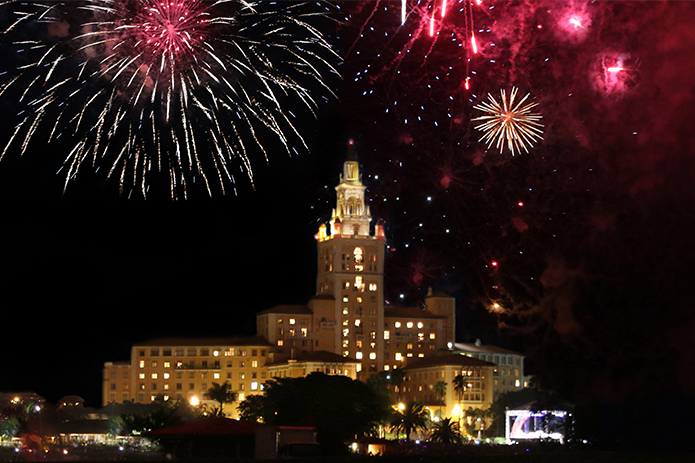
578,253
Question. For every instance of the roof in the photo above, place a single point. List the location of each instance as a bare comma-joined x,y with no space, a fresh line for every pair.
208,427
439,294
211,342
318,356
447,360
477,348
408,312
295,309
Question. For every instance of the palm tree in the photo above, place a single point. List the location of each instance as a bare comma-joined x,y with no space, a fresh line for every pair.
412,418
221,394
439,390
447,432
460,385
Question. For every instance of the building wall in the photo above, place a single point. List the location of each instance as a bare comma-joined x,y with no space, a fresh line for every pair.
419,386
408,338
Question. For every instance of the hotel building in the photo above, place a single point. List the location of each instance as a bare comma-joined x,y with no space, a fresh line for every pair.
344,329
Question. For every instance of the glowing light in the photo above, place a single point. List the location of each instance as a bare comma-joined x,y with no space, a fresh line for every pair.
403,6
443,8
509,123
474,44
189,89
467,83
576,22
615,69
493,263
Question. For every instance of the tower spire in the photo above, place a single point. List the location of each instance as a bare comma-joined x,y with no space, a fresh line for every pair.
351,210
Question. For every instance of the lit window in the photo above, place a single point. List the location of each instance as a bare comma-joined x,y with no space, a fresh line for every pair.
372,356
397,324
142,364
410,354
358,322
166,375
346,299
346,342
387,334
346,332
359,259
216,376
420,336
358,356
409,324
432,336
346,353
254,363
359,284
154,375
292,321
280,342
167,364
398,357
305,332
254,385
241,396
420,325
346,285
346,311
372,286
420,355
142,375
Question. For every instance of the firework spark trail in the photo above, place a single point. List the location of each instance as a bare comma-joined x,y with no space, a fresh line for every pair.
506,122
171,76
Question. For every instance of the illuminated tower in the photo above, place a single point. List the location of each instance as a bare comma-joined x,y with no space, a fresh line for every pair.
348,307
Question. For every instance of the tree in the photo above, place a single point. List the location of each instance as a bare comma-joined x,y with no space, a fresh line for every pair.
339,407
221,394
412,418
440,390
396,378
447,432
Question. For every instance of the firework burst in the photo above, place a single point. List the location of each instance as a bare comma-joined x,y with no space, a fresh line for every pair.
509,123
187,88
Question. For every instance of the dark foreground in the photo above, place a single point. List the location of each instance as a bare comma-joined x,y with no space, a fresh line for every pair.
504,455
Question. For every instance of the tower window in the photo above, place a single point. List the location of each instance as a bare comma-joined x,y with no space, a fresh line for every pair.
358,255
359,284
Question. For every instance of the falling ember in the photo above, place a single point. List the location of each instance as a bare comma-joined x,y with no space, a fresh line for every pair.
509,123
403,6
432,24
467,83
474,44
443,8
615,69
